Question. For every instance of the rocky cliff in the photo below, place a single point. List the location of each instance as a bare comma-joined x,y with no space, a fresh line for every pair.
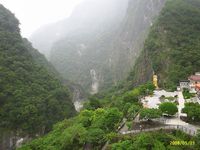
172,48
98,50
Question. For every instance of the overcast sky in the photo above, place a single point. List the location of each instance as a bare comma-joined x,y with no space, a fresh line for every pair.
33,14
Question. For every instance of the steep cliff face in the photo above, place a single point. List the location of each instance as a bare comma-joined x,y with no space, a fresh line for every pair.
32,98
172,48
129,41
102,48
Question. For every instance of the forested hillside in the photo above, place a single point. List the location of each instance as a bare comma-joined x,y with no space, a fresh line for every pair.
94,125
99,123
32,98
172,48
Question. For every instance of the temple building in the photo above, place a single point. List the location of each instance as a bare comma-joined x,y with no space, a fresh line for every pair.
195,79
193,83
184,84
198,90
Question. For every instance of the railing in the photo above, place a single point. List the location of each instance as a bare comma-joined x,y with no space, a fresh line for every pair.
187,130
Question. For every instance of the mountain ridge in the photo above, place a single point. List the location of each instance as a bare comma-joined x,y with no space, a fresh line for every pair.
106,51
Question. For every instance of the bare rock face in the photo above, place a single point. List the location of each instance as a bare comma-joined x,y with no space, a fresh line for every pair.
101,38
132,33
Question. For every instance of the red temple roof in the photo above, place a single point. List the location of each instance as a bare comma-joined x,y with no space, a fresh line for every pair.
197,86
194,77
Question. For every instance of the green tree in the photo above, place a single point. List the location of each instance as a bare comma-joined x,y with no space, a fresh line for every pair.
85,117
193,111
132,111
159,146
144,141
147,113
124,145
168,108
108,120
95,136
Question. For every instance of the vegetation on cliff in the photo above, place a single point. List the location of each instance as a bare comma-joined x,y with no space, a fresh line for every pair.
97,123
159,140
193,112
172,49
32,99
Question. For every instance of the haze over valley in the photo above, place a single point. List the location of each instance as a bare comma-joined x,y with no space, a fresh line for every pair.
96,48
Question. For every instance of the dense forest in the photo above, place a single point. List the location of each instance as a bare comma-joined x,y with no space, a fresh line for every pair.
172,48
32,98
99,121
96,124
159,140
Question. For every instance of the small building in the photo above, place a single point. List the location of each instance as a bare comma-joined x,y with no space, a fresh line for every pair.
184,84
194,81
198,90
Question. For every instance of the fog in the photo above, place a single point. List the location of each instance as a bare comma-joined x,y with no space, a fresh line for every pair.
33,14
88,17
36,13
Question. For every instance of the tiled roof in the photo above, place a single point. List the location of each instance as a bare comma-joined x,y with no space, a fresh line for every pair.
194,77
198,86
184,81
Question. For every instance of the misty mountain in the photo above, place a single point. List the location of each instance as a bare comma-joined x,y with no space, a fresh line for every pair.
98,44
87,16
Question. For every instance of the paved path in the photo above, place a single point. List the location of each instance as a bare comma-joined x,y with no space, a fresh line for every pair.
172,123
190,131
137,118
181,105
177,120
124,126
154,101
105,146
